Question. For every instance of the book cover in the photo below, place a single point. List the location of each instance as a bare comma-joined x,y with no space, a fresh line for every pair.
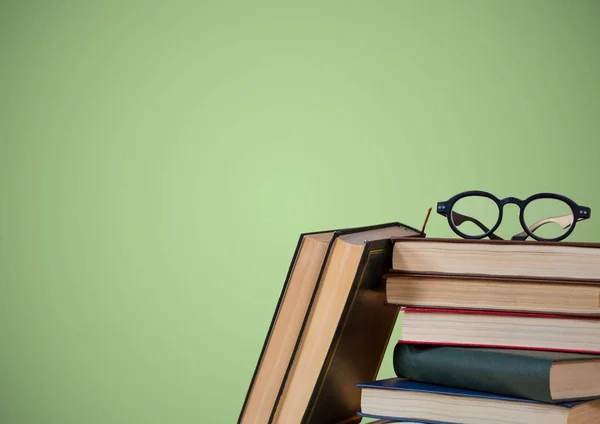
397,383
532,243
510,372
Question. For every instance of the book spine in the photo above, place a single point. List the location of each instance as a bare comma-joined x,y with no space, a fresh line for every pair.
486,371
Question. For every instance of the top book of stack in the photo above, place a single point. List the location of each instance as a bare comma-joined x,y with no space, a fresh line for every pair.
534,260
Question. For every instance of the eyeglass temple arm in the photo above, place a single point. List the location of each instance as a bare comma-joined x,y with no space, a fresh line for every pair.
458,219
564,221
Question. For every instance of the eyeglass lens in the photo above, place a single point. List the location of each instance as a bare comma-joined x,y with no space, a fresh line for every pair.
475,215
548,218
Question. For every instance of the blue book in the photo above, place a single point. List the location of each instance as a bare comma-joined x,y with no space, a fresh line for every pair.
403,400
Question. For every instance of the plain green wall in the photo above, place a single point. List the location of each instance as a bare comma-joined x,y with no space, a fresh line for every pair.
158,161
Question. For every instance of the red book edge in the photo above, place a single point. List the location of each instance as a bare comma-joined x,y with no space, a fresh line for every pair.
502,313
492,346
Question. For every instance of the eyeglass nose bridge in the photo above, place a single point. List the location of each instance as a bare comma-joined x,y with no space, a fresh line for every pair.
511,200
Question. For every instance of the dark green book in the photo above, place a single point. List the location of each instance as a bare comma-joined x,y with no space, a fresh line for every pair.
537,375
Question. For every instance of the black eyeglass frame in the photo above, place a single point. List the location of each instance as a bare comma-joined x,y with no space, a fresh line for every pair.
579,212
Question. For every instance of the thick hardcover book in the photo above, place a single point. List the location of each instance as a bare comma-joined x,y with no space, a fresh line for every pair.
455,327
411,401
538,375
289,321
290,312
346,333
492,293
564,261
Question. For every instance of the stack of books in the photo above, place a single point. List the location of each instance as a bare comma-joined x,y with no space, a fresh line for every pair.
498,332
492,332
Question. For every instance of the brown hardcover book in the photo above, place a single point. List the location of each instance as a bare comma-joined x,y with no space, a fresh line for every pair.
564,261
346,334
298,295
492,293
501,329
290,313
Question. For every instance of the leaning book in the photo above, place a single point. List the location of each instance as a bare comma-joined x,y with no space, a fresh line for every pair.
331,301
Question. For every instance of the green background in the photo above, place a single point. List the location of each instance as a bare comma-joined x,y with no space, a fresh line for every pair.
158,161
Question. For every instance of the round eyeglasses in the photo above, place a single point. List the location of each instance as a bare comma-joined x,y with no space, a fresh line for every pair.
543,216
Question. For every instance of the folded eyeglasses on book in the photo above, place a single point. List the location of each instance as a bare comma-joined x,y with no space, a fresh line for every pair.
544,216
